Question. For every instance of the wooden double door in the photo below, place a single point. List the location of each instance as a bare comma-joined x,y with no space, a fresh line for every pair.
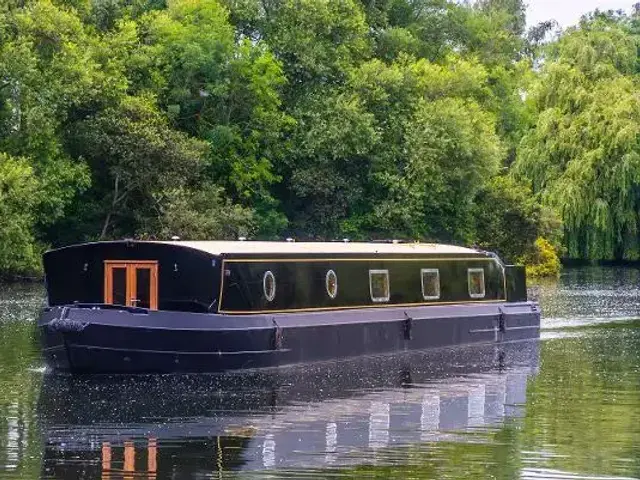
133,284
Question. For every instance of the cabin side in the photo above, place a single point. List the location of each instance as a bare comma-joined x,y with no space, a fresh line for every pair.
148,275
259,284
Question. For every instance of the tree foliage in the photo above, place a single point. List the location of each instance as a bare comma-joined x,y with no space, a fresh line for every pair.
583,156
135,158
18,193
424,120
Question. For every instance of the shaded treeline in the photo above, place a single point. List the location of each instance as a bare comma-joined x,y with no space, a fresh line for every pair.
317,119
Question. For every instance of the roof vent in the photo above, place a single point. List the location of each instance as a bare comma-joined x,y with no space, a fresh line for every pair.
175,238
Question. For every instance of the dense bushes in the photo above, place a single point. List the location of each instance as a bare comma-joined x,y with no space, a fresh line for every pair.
543,261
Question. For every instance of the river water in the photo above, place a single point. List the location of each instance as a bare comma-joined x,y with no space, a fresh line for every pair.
566,407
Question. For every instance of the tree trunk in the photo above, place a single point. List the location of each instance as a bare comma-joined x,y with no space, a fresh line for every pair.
112,209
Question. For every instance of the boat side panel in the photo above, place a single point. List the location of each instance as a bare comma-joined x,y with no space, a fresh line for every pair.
300,283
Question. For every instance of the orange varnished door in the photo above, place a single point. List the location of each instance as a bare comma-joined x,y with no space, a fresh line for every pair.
143,277
117,288
134,284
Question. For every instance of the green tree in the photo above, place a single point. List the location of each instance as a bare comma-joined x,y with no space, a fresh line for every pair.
452,151
135,158
19,250
223,90
327,172
318,41
202,214
509,220
583,156
47,76
219,118
428,116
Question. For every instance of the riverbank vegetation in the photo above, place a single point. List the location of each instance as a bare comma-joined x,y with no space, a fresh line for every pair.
424,120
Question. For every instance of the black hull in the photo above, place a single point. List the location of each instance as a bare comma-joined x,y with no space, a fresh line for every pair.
93,339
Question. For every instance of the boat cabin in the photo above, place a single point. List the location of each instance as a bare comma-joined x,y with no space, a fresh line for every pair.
245,277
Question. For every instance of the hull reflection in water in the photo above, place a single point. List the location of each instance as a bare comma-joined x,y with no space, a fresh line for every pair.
314,416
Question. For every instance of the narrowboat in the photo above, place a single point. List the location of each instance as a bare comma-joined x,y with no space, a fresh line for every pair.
197,306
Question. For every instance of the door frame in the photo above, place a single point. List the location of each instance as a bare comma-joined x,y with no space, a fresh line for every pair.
131,266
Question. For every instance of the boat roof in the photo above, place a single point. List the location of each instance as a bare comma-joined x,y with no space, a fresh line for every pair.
258,247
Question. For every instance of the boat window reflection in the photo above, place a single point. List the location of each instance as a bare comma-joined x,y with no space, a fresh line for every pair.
430,278
476,282
379,285
331,282
130,468
269,286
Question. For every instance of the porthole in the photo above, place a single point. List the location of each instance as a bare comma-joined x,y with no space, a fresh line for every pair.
475,277
269,286
379,286
331,282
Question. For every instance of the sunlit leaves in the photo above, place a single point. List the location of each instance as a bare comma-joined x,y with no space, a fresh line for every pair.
201,215
452,150
583,156
328,171
317,40
222,89
18,192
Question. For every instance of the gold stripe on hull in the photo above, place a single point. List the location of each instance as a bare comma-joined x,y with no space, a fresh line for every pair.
353,307
317,260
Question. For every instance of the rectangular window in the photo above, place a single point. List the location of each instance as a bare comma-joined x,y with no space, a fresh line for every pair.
430,278
119,288
132,284
379,285
475,278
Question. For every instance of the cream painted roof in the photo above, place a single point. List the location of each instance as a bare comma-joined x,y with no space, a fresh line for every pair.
222,247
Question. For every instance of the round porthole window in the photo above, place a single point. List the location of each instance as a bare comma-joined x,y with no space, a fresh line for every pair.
269,286
331,282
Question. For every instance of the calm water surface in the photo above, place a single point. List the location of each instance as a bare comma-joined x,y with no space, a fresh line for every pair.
567,407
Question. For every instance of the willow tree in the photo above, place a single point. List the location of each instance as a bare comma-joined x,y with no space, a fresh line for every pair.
583,156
